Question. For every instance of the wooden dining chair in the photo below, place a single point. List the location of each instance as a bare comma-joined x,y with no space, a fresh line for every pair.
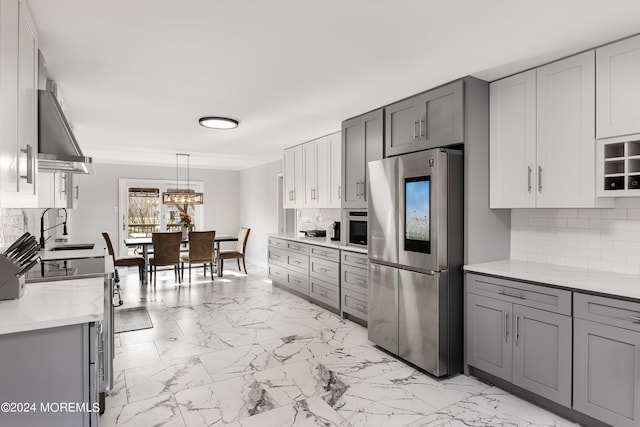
237,253
166,251
201,250
125,261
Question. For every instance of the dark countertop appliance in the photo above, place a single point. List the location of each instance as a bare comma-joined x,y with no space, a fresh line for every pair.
336,231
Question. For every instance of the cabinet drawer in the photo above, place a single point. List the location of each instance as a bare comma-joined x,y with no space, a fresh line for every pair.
298,282
325,253
277,243
324,270
324,292
277,256
354,279
355,259
610,311
354,304
542,297
298,263
277,273
298,247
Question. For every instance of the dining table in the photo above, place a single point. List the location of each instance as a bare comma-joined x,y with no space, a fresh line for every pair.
145,244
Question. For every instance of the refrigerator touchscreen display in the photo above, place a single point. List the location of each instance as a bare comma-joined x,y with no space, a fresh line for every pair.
417,221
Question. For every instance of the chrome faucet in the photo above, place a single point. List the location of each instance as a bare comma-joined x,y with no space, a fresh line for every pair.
42,229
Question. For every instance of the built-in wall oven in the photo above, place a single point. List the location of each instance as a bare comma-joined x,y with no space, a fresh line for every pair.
356,220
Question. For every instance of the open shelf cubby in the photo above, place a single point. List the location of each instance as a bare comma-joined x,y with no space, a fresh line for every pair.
620,163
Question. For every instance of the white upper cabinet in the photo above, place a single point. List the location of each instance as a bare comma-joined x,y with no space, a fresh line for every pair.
618,88
565,133
18,102
550,164
312,173
513,141
334,144
293,178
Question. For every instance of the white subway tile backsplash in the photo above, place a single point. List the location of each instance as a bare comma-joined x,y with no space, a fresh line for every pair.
598,239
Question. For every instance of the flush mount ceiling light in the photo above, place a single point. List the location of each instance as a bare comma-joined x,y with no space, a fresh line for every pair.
185,196
218,122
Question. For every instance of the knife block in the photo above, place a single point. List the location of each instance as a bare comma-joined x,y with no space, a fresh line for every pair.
11,287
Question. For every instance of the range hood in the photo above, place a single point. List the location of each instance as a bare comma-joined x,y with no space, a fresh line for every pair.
57,146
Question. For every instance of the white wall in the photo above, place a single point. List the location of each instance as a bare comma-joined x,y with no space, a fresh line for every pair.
259,207
597,239
98,201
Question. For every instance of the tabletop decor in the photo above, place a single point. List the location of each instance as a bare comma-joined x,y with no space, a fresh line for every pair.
185,221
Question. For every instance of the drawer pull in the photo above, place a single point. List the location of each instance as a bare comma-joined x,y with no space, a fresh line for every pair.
275,256
297,281
361,308
323,293
295,261
361,282
507,294
635,319
294,247
324,270
325,253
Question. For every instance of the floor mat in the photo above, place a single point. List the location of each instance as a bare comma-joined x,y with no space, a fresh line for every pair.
132,319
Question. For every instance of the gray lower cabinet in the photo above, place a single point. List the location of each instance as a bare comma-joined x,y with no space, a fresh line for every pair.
310,270
509,336
48,368
354,284
606,360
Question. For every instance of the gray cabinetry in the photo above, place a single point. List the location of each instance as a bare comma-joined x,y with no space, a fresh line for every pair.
309,270
49,367
362,142
431,119
354,284
606,361
522,334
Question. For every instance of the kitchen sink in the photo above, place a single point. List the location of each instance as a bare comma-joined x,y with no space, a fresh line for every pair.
73,247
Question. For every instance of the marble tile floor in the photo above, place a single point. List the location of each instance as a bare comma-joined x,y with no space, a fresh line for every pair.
238,351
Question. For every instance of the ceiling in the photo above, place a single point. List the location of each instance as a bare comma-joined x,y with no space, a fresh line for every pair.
137,75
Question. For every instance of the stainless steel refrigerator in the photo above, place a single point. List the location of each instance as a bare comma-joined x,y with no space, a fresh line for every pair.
415,236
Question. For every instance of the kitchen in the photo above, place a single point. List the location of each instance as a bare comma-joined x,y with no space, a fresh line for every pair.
600,235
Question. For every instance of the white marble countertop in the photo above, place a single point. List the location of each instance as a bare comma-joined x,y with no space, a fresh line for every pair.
97,252
578,279
52,304
318,241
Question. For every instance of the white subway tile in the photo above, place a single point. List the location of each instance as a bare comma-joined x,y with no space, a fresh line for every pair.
524,212
557,222
567,213
614,213
628,247
627,225
631,235
589,254
548,213
578,223
568,252
575,242
567,232
589,213
614,257
538,222
601,245
600,224
633,258
522,256
633,213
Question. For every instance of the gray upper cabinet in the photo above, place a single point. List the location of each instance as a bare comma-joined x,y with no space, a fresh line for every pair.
606,359
618,88
431,119
362,142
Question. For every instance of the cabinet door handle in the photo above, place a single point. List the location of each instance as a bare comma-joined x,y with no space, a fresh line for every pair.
421,133
529,178
415,123
517,329
507,294
339,192
539,179
29,152
77,187
506,325
635,319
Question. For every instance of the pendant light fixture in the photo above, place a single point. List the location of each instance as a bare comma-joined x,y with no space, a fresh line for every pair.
186,196
218,122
